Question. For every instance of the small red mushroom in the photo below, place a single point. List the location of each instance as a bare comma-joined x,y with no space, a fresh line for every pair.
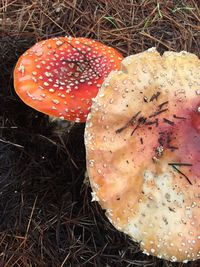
61,76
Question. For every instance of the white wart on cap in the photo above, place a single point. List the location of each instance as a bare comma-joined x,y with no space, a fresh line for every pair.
143,152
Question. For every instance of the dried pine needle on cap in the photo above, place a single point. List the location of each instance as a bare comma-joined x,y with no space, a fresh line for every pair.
143,152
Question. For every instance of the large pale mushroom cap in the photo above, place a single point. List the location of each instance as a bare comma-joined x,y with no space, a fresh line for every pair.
143,152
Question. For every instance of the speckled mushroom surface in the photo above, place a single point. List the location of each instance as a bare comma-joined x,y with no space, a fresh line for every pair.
142,142
60,76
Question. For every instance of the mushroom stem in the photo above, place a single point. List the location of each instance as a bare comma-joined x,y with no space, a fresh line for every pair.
61,126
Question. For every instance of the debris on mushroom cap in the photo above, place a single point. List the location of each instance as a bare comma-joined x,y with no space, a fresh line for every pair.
60,76
143,152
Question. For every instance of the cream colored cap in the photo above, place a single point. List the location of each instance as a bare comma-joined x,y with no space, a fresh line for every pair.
143,152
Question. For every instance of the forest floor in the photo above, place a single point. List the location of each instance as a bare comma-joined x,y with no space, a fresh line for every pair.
47,218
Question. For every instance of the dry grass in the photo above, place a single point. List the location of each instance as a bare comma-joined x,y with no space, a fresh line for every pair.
46,216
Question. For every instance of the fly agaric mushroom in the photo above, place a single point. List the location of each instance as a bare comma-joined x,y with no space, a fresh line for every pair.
60,76
143,152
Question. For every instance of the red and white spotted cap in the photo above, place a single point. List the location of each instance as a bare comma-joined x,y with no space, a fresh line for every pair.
61,76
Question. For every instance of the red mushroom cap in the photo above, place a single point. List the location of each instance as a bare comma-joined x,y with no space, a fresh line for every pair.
60,76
